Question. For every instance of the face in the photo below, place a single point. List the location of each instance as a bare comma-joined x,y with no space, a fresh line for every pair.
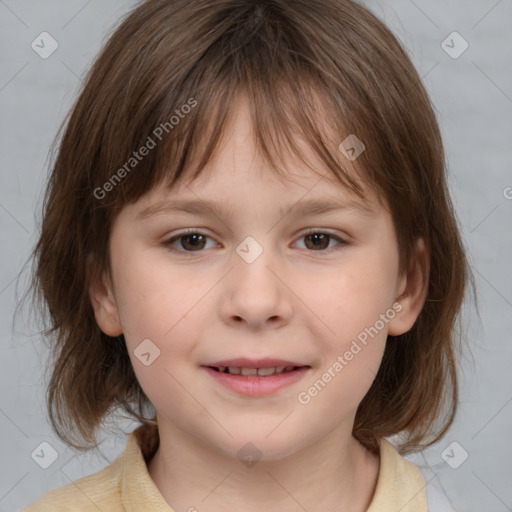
249,278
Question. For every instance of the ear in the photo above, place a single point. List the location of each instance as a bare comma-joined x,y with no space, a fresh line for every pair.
104,306
411,292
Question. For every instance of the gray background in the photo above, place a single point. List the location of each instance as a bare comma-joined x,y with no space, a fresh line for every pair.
473,98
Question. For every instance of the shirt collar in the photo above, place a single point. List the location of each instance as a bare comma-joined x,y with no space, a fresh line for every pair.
138,491
400,484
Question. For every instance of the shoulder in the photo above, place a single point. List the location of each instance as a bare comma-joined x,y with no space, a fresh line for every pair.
404,486
397,469
400,484
420,481
125,480
99,491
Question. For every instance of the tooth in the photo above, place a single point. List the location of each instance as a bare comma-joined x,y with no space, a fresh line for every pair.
234,370
279,369
221,368
289,368
249,371
266,371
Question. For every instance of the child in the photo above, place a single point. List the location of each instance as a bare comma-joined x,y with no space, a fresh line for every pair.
248,232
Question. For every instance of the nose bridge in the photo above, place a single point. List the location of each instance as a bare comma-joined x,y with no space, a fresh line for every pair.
252,261
255,293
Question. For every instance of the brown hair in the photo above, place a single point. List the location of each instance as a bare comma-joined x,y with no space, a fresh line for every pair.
286,56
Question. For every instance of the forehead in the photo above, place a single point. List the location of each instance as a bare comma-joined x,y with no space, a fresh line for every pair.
228,195
238,168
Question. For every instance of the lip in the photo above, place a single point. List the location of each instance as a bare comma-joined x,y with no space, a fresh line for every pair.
244,362
256,385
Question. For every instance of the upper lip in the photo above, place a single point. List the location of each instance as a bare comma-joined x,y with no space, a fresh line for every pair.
243,362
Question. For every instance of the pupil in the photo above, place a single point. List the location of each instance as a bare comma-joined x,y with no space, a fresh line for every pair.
318,238
194,244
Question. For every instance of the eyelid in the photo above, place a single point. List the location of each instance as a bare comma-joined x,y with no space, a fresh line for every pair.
187,231
343,241
308,231
326,231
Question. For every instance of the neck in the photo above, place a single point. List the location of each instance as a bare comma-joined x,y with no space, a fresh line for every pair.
334,473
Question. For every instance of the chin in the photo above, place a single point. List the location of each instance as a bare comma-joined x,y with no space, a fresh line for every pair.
255,444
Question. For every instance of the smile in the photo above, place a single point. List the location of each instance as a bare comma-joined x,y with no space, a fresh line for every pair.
262,372
256,381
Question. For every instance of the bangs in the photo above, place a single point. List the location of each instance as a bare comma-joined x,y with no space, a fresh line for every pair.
295,106
288,122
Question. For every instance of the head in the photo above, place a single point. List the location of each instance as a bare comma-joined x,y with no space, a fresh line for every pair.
254,106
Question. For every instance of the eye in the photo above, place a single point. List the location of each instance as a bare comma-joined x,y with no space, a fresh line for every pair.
194,241
188,241
319,241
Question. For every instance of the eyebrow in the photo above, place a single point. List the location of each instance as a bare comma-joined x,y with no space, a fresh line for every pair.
223,210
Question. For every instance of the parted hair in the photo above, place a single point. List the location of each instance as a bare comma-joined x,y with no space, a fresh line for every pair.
164,81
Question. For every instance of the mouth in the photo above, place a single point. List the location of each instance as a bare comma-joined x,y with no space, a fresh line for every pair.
263,367
260,372
256,377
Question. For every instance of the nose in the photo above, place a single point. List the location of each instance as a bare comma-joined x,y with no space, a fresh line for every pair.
255,294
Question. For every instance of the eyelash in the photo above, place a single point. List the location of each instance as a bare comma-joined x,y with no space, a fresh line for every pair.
168,243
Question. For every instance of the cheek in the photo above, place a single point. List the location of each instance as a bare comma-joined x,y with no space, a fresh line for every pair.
351,299
154,298
348,370
355,308
159,303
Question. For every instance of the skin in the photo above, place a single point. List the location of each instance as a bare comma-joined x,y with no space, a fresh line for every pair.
295,302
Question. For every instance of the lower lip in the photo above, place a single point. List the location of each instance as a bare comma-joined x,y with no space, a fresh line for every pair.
255,385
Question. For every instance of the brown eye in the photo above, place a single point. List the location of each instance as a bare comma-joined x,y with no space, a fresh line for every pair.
191,241
317,241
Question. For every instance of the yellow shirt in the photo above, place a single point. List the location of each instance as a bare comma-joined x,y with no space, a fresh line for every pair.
126,486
